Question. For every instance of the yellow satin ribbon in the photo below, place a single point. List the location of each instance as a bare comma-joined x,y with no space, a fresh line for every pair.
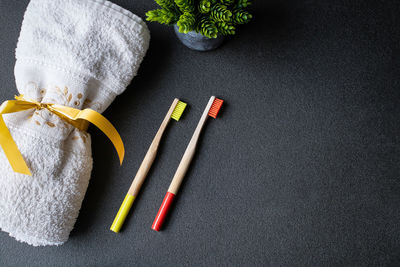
78,118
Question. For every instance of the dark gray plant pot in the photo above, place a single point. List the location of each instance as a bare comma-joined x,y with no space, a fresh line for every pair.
197,41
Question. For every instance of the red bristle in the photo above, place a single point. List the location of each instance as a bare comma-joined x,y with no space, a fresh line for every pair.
215,107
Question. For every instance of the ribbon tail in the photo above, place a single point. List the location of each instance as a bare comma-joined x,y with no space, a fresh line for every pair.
106,127
11,150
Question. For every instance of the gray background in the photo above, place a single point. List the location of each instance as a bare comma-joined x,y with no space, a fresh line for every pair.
300,169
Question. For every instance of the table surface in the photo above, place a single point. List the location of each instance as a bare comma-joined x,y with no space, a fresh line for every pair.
300,169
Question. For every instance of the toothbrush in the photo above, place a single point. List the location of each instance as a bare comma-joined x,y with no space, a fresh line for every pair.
212,108
175,112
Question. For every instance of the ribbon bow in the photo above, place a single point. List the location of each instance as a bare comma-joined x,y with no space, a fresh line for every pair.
78,118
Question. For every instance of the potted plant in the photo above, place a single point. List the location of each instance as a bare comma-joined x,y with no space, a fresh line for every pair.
201,24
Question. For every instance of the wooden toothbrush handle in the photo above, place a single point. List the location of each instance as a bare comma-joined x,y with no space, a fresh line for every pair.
143,170
190,151
151,154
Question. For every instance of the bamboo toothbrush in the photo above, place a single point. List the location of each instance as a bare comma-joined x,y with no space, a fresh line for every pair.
212,108
175,112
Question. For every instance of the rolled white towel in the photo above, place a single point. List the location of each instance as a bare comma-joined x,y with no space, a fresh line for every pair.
78,53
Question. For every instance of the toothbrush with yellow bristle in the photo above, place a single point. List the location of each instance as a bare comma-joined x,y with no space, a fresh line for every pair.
212,109
174,112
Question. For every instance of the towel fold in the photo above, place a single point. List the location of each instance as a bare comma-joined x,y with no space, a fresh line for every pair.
78,53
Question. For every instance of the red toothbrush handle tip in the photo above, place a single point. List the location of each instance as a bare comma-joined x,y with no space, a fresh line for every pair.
163,211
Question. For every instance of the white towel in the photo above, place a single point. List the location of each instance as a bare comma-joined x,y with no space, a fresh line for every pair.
78,53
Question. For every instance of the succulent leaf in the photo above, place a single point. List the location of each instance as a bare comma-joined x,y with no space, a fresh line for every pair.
220,13
185,5
227,2
186,22
225,28
162,16
166,4
207,28
243,3
241,16
204,6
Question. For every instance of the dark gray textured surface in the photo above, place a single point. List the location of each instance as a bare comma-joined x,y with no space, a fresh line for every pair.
301,169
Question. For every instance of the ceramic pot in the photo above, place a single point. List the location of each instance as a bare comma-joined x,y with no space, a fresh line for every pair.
197,41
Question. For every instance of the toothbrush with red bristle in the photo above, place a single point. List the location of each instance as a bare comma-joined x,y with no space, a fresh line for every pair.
212,109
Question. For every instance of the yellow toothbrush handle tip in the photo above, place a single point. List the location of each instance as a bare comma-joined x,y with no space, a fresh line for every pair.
122,213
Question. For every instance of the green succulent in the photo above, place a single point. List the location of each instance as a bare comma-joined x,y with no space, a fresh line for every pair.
185,5
241,17
186,22
162,16
207,17
204,6
243,3
166,4
220,13
227,2
207,27
225,28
